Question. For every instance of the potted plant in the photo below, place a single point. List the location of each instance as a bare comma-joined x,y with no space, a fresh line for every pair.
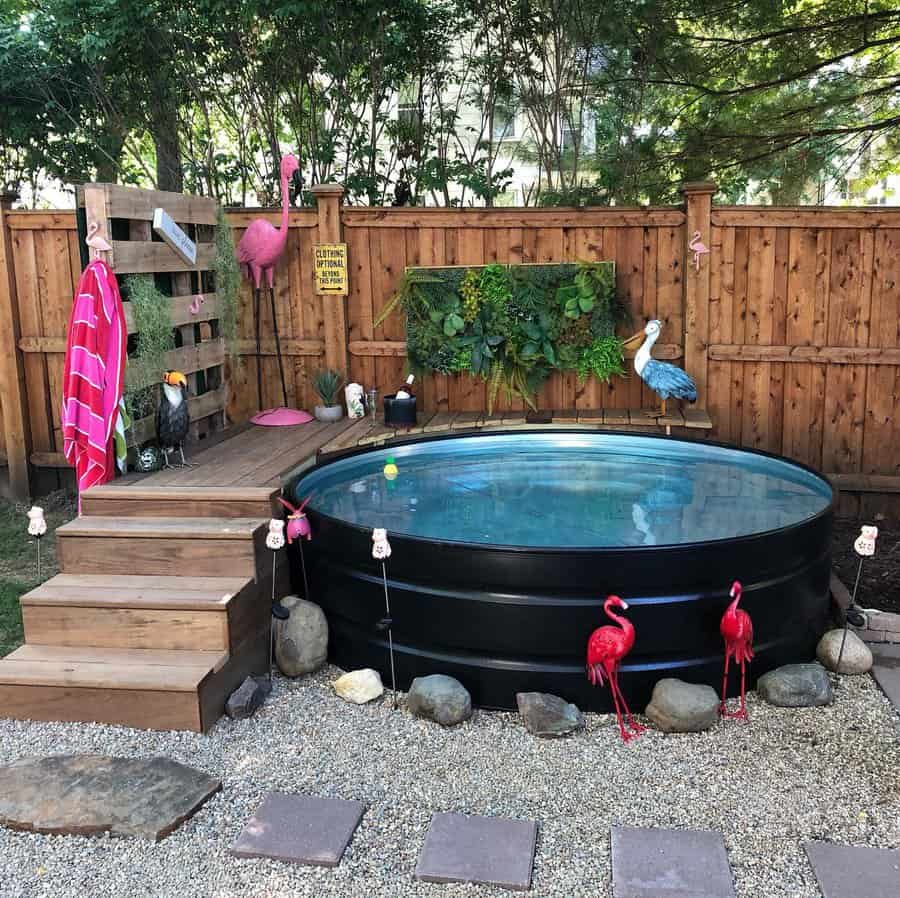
327,383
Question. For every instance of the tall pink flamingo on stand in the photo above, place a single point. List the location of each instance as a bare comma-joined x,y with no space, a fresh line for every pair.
258,252
606,648
737,631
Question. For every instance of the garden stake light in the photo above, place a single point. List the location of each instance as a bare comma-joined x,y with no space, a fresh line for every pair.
275,541
381,551
864,546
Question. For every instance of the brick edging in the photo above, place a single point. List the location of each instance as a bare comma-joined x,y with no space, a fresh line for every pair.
881,626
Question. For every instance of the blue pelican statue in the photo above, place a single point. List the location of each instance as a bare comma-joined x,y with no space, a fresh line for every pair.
664,379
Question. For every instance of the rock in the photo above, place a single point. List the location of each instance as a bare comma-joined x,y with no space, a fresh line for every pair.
679,707
359,686
301,641
244,701
439,698
90,794
548,715
796,686
857,658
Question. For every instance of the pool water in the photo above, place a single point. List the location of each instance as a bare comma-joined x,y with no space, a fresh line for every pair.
567,489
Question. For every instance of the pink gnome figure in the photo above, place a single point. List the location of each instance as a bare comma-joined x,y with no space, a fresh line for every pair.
297,522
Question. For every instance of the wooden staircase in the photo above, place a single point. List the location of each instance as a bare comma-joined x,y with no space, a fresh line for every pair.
161,609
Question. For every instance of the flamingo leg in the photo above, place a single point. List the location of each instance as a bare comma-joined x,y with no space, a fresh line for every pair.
615,697
722,711
742,713
278,346
636,728
259,402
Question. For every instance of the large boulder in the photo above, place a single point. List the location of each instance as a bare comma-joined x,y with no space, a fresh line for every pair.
359,686
548,715
439,698
244,701
679,707
856,659
796,686
301,641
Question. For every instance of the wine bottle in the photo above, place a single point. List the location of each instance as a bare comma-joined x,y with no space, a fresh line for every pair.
405,392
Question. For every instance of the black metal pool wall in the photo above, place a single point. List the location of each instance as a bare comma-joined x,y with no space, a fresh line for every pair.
505,620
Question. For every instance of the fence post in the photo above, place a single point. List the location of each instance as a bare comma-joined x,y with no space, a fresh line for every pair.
334,308
698,207
12,371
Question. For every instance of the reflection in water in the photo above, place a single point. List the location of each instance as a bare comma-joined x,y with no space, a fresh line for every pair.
567,490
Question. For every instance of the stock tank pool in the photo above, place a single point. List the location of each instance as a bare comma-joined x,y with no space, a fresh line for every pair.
505,545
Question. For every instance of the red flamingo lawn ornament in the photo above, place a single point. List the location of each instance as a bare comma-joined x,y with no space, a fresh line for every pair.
606,648
258,252
737,631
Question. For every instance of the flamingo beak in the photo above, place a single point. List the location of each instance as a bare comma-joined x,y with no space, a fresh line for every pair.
624,605
633,340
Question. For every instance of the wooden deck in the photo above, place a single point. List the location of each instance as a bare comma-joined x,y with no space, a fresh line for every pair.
162,605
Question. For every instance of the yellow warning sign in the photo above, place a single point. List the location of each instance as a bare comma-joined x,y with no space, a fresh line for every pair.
331,268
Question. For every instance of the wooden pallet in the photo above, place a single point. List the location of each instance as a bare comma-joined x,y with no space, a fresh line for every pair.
367,432
124,217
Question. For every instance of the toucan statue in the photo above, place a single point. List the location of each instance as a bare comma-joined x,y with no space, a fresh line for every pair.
173,420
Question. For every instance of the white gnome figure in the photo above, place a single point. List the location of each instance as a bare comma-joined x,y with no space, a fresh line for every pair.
275,536
865,542
37,527
353,393
381,548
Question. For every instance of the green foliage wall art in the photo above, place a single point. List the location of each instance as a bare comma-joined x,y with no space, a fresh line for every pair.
513,325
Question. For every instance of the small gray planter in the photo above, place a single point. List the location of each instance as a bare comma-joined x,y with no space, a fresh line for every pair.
329,413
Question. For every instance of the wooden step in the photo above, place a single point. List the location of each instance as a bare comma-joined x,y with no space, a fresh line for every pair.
195,547
150,689
135,500
175,613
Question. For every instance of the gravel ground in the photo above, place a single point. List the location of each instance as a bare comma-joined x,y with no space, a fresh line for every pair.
789,776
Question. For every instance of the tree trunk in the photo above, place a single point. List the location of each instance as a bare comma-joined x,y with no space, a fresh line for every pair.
169,175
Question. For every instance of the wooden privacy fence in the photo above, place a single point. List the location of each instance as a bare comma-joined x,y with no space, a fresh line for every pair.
790,324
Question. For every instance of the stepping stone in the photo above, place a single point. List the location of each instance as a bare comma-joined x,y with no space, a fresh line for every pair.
300,829
91,794
489,850
855,871
669,863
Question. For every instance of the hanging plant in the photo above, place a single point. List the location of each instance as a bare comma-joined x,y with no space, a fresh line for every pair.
228,283
151,312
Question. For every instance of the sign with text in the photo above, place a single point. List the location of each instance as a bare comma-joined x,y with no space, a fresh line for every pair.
174,236
331,269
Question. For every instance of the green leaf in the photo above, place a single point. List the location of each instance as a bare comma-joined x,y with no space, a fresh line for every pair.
586,303
494,341
549,355
530,350
436,316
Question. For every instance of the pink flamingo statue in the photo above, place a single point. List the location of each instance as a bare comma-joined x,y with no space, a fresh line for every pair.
258,252
96,242
698,248
298,528
737,631
606,648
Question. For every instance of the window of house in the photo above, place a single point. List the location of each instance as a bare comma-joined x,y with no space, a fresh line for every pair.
409,114
504,123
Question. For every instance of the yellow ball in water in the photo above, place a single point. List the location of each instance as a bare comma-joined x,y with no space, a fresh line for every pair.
390,468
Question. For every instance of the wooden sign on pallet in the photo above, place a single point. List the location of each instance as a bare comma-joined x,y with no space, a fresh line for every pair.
174,236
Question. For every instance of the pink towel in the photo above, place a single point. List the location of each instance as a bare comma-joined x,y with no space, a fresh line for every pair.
94,375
